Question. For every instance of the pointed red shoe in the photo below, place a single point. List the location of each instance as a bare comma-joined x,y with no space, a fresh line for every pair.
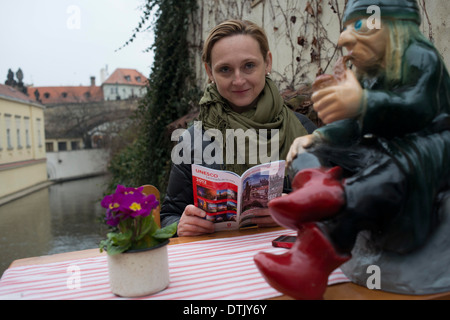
303,271
318,194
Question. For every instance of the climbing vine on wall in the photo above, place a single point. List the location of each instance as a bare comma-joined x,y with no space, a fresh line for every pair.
171,93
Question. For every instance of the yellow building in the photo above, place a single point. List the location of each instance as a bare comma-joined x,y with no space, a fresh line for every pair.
23,164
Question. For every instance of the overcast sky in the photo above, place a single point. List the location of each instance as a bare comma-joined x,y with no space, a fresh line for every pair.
65,42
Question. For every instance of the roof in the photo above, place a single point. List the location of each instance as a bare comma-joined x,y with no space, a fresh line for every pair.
127,76
60,95
184,121
12,93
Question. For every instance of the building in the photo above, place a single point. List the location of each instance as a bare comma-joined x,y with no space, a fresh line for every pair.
52,96
68,105
61,101
124,84
79,120
23,164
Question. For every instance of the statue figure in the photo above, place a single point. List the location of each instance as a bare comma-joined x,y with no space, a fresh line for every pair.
37,95
19,75
371,187
10,79
20,85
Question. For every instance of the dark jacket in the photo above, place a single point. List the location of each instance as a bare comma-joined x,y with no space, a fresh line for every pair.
410,124
179,193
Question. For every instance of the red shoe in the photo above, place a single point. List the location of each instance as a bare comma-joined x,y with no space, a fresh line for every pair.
303,271
318,194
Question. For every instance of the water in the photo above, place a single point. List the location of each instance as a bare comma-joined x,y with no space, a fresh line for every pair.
61,218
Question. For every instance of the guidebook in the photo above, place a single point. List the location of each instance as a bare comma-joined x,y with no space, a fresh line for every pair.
230,200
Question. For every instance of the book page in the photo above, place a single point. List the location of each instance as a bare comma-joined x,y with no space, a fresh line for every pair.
217,193
260,184
230,202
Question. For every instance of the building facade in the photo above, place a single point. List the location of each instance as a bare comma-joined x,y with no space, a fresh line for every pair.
124,84
23,162
79,120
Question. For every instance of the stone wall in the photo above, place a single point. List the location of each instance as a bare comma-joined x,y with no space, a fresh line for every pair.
77,164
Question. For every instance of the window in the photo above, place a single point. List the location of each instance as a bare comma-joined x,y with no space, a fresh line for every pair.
18,132
46,95
8,131
8,138
27,138
128,78
64,94
138,79
75,145
49,147
19,145
27,132
39,132
62,146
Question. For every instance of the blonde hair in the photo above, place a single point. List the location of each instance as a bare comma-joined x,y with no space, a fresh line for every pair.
235,27
401,34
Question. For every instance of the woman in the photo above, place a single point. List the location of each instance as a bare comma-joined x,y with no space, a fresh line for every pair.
240,96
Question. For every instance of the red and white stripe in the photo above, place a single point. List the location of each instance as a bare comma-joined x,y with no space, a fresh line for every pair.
219,269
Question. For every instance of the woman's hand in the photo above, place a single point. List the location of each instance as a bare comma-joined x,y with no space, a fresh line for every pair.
193,222
299,145
338,102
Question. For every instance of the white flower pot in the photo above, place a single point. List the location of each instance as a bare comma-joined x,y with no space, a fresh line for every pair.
139,272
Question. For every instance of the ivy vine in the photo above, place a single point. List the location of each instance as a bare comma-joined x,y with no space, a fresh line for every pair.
171,94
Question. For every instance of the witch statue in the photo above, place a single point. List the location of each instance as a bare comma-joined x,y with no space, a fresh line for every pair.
371,187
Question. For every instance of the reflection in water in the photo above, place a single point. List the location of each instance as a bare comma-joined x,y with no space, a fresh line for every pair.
61,218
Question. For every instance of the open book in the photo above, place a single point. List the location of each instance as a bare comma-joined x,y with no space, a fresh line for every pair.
230,200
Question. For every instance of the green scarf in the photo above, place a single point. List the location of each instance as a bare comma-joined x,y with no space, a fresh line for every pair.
270,113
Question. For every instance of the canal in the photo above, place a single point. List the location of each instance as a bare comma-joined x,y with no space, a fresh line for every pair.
61,218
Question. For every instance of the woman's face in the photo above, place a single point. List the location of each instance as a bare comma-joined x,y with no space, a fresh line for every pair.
239,69
366,46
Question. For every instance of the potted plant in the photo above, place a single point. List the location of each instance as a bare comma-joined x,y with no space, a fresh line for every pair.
137,248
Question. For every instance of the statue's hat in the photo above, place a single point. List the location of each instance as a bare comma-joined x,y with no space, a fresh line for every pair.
397,9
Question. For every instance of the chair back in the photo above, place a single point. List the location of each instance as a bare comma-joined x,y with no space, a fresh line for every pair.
149,189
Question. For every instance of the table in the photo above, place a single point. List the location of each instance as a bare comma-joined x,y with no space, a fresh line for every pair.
340,291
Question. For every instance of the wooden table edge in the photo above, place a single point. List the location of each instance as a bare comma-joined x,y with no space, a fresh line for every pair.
343,291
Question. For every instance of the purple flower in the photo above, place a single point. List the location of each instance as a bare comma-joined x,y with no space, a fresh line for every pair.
127,203
150,203
126,191
111,218
112,202
133,205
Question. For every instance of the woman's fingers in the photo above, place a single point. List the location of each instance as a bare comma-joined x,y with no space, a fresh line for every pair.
193,222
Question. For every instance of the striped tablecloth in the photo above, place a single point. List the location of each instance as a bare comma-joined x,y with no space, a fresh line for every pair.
219,269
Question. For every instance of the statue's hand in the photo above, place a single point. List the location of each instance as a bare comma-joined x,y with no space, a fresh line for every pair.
341,101
299,145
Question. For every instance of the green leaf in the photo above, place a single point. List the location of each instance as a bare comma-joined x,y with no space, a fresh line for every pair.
144,243
113,250
103,244
120,239
148,227
166,232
